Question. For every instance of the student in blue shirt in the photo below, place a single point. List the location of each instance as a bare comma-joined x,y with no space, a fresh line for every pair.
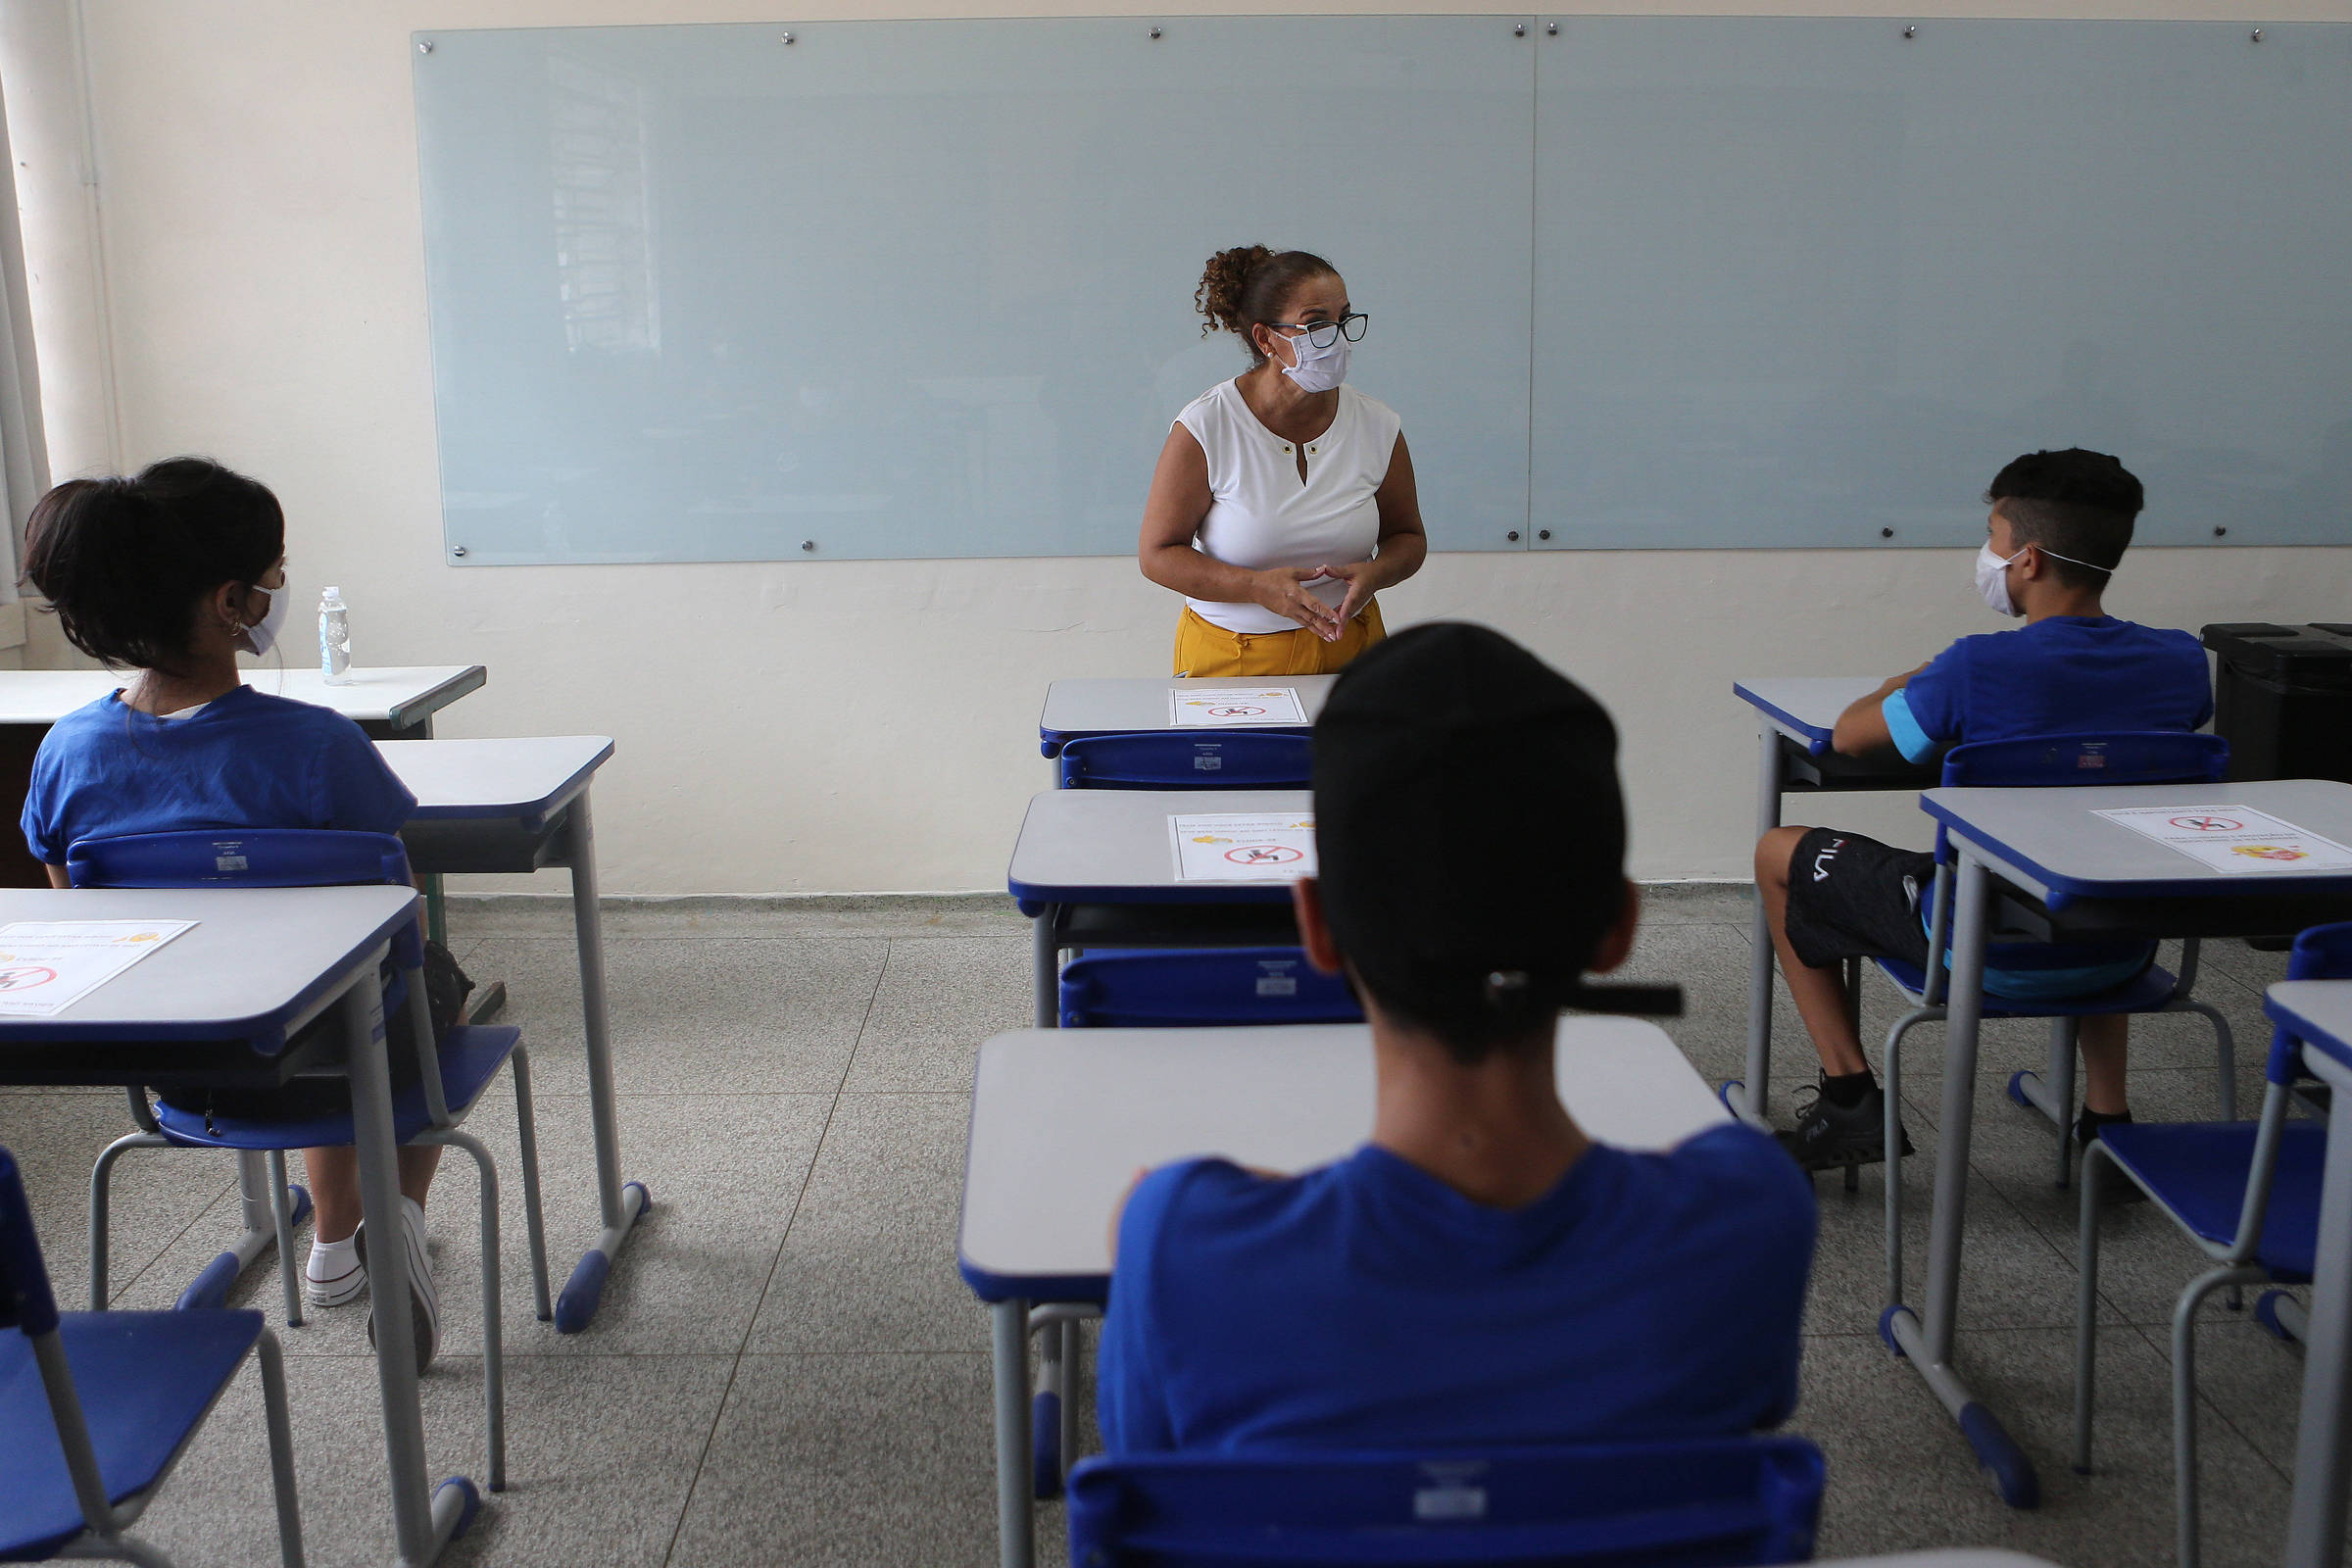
2059,526
1480,1271
172,574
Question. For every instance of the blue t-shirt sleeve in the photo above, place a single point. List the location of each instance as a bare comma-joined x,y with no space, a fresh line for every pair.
39,819
1933,709
1767,1267
359,793
1130,1395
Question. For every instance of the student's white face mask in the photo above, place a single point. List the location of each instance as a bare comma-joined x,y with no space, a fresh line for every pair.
1992,580
1318,369
262,635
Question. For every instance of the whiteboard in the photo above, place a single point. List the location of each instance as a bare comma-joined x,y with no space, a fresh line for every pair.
925,288
1809,281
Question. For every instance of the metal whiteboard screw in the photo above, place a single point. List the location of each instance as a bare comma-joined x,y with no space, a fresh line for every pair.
1910,32
1155,32
458,551
2219,532
1513,536
1519,32
2256,36
1543,533
1551,30
1885,533
424,46
788,37
808,544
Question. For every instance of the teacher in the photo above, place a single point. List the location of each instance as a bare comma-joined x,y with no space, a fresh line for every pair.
1284,499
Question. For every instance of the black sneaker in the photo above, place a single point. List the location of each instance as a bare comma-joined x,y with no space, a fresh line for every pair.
2114,1186
1828,1136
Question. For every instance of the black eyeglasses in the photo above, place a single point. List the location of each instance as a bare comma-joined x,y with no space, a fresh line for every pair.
1323,334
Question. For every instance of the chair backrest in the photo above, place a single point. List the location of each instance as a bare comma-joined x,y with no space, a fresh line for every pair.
1201,988
2322,952
25,1300
2154,756
1189,759
1701,1504
246,857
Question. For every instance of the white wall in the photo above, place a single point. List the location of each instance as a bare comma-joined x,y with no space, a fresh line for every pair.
253,286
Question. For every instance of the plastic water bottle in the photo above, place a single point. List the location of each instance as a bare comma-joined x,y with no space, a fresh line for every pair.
334,637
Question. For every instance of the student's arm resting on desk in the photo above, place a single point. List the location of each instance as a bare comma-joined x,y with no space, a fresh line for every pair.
1879,723
1172,511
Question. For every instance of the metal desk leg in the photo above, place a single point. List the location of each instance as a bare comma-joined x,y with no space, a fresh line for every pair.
1929,1345
422,1522
2315,1528
1751,1100
1047,955
619,1204
258,1234
1016,1523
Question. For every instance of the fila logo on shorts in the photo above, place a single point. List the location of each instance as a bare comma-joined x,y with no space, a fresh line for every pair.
1821,861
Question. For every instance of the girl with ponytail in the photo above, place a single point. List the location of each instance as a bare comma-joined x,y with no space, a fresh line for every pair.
1284,497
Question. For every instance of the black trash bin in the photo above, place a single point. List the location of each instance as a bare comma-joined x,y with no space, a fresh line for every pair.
2282,698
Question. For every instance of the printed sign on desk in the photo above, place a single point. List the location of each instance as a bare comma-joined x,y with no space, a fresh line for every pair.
1227,705
2234,839
48,966
1243,847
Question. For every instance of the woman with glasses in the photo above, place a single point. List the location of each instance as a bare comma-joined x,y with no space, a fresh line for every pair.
1284,497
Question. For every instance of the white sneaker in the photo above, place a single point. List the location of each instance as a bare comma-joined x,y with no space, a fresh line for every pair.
424,1303
334,1275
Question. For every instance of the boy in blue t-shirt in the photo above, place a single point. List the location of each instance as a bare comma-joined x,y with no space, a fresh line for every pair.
1479,1272
2060,523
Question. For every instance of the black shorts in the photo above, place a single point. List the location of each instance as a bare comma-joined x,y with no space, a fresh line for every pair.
1852,896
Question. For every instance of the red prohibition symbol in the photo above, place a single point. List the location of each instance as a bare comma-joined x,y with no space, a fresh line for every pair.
24,976
2207,824
1264,855
1237,713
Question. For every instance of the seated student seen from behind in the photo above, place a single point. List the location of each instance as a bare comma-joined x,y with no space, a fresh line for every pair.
1479,1272
172,574
2060,523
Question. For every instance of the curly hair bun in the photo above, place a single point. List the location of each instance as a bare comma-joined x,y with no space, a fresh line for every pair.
1223,283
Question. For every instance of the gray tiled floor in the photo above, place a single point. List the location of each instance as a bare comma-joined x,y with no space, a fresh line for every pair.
788,1369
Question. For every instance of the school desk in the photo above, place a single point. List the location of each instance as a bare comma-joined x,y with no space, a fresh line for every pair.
1094,869
2049,869
2318,1012
1795,718
1136,705
1063,1121
217,1005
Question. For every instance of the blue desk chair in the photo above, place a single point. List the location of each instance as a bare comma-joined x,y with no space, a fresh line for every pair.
2247,1194
1201,988
2051,761
450,1084
95,1407
1189,759
1707,1504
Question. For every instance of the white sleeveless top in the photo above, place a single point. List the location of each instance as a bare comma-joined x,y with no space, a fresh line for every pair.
1261,516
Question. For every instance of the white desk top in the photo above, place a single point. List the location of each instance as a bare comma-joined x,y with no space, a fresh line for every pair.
1076,845
525,776
1063,1118
253,956
396,695
2051,838
1126,707
2316,1011
1804,708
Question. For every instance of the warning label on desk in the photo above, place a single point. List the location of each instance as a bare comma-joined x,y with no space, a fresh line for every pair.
1225,705
1243,847
2234,839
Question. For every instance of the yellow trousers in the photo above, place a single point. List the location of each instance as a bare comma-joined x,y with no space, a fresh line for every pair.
1204,648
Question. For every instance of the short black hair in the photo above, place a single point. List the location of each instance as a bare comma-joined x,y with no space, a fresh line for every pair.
1469,831
125,562
2074,504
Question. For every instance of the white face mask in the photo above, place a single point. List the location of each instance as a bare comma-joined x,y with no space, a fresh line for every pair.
262,635
1318,369
1992,580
